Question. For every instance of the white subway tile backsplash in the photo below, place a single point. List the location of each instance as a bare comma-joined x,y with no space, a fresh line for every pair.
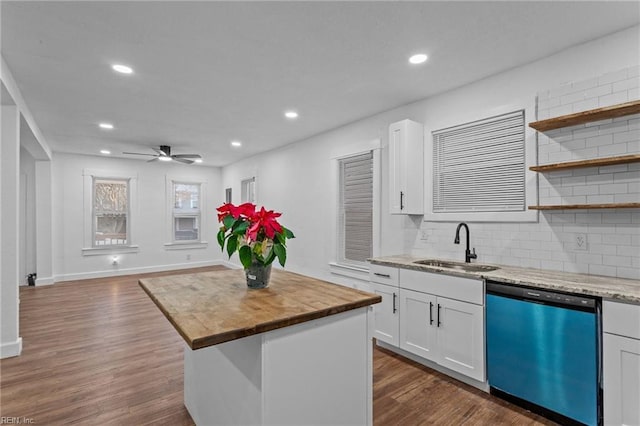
613,188
602,270
613,76
596,141
627,84
612,150
585,105
598,91
612,99
631,273
632,135
600,199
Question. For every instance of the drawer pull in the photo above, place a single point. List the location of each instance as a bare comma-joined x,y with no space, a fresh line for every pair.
382,275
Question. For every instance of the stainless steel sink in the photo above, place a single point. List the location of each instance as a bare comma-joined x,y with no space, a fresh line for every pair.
461,266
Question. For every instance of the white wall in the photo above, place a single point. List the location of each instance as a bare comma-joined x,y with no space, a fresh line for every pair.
300,181
27,215
150,223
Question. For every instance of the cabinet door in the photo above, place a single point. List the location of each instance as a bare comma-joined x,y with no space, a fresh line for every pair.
418,325
397,177
385,314
621,376
406,164
461,337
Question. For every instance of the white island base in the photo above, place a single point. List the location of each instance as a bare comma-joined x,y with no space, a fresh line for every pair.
313,373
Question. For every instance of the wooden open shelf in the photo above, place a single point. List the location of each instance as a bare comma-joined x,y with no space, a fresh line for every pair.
587,206
597,162
613,111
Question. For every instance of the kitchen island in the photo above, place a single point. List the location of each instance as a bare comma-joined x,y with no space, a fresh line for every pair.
297,352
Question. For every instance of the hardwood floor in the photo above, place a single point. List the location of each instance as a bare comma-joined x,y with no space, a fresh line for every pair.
99,352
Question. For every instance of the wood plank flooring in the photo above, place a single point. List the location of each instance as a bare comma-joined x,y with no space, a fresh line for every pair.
99,352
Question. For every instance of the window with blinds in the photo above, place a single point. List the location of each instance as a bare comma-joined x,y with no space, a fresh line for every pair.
356,208
480,166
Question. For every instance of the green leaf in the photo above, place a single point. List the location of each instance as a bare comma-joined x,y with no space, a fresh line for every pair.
241,228
221,239
287,233
281,252
245,256
270,257
228,221
232,244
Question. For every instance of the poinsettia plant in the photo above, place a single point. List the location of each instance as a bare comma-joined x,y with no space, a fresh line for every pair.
255,234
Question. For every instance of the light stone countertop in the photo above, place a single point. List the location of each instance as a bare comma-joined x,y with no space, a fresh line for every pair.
620,289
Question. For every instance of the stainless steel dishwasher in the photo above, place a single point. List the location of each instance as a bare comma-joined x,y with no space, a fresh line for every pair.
544,351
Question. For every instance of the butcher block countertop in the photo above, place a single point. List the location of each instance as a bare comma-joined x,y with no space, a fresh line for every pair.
621,289
215,307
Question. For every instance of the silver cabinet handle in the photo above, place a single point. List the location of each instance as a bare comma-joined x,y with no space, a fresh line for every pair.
382,275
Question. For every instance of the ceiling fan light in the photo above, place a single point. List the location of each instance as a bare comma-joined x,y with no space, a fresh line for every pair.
198,160
161,158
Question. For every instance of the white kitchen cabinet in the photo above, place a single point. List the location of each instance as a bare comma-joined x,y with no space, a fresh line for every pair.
385,314
446,331
621,363
418,324
406,167
461,337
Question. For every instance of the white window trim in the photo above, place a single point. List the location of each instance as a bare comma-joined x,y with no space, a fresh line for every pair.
171,244
531,178
348,269
88,176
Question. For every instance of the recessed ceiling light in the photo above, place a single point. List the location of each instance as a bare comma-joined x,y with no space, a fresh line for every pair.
198,160
164,158
418,59
106,126
236,143
105,151
123,69
291,114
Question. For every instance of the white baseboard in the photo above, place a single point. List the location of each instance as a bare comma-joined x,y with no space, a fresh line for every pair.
141,270
44,281
11,349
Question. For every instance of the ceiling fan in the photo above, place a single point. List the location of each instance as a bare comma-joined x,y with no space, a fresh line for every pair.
164,154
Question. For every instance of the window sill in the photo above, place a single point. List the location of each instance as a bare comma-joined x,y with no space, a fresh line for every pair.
95,251
186,245
351,271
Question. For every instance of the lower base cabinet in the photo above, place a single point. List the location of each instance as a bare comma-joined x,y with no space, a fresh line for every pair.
385,314
621,364
445,331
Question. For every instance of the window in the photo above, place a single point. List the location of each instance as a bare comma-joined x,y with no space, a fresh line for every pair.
110,212
248,190
186,212
355,210
480,166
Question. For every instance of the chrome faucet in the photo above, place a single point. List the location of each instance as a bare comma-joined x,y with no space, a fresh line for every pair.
468,255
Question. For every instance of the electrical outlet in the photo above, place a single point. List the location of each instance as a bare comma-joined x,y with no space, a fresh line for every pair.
580,242
424,235
188,257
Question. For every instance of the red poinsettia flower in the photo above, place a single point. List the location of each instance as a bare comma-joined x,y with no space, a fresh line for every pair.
243,210
264,220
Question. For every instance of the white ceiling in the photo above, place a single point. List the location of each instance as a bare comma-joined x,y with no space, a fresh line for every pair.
207,73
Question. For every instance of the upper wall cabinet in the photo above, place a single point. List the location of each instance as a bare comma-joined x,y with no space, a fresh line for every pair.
406,167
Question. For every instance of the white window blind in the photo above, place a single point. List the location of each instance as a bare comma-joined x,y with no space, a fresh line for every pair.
480,166
356,208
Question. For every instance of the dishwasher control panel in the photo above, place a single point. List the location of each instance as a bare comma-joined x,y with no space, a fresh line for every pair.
541,296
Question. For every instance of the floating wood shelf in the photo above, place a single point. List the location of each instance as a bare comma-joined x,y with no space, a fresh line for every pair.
597,162
587,206
613,111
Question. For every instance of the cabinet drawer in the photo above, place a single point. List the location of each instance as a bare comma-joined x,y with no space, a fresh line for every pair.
383,275
621,318
457,288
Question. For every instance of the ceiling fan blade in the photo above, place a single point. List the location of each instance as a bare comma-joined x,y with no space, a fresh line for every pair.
160,152
155,158
182,160
186,156
138,153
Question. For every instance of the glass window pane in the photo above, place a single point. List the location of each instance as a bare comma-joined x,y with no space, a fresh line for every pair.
111,206
186,196
186,228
